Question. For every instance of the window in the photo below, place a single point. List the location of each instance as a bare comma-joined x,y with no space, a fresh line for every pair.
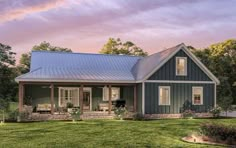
115,93
164,95
68,95
197,95
181,66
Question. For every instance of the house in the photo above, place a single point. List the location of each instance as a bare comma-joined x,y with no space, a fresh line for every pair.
162,84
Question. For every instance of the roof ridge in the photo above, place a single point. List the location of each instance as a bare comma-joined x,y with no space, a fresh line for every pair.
63,52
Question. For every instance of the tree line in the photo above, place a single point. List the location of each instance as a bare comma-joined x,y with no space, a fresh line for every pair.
219,58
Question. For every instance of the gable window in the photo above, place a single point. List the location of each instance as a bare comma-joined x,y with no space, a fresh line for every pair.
197,95
181,66
164,95
115,93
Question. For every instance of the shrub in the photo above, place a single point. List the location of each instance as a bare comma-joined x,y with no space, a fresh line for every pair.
188,114
75,114
219,132
120,112
216,111
69,105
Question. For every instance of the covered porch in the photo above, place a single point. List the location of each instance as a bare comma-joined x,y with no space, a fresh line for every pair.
56,97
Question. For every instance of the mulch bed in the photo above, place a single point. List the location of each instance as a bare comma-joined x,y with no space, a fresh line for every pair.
205,140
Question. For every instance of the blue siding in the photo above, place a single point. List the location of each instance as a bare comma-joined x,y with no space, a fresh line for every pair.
167,71
180,98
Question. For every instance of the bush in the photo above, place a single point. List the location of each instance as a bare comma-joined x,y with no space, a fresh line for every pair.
188,114
120,112
69,105
75,114
216,111
219,132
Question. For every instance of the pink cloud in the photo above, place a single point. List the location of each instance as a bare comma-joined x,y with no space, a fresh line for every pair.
17,9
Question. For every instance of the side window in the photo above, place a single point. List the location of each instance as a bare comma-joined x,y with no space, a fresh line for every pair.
164,95
197,95
181,66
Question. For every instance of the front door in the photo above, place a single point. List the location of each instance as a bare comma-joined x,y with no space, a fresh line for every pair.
87,99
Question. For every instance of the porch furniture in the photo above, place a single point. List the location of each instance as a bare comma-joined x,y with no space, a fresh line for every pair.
44,107
120,103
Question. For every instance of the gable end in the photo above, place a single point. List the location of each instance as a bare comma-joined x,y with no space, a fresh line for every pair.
168,70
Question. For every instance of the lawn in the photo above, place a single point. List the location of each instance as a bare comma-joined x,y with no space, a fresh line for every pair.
102,133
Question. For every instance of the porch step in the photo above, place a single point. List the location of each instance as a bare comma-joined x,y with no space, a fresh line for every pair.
97,115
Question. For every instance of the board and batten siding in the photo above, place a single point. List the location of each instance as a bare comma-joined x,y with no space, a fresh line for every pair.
168,70
139,97
180,98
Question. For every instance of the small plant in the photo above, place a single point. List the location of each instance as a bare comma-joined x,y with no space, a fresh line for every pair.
75,114
69,105
188,114
216,111
120,112
219,132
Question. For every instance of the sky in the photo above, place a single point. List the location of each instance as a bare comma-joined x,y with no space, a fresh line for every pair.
86,25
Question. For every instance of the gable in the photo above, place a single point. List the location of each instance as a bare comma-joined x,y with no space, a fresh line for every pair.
168,70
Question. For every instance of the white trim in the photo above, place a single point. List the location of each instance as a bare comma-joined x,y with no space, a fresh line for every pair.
143,98
185,66
90,91
215,95
68,88
172,81
104,91
72,88
80,81
159,97
197,87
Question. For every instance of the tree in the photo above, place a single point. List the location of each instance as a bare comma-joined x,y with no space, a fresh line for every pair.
220,59
4,105
24,66
8,86
224,94
115,46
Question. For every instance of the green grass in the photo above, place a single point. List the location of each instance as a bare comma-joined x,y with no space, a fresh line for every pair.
103,133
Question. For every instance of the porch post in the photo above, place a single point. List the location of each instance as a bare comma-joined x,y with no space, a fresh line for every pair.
81,97
21,89
52,99
135,98
109,106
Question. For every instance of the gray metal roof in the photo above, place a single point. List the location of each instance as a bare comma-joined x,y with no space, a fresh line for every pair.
149,63
79,66
63,66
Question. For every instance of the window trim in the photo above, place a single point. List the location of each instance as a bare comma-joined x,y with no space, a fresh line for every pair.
104,91
201,101
68,89
159,95
185,68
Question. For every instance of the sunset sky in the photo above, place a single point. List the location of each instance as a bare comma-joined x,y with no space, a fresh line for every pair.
85,25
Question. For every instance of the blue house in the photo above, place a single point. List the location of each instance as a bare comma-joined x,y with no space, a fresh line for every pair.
163,84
